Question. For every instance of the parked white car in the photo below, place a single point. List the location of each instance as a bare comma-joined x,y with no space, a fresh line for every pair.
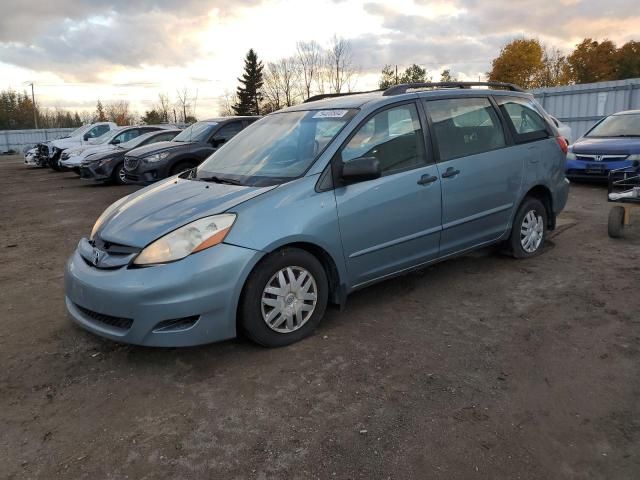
78,137
73,157
564,129
31,157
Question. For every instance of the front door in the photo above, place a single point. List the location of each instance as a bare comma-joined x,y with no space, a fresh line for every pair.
393,222
481,174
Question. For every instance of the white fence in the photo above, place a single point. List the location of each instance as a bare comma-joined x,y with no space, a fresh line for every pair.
18,140
580,106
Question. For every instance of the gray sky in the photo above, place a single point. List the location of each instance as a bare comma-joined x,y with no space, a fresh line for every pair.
78,50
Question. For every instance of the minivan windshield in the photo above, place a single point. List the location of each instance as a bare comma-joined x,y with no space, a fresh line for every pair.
275,149
626,125
198,132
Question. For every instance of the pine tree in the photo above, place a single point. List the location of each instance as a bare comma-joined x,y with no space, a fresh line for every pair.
249,91
100,116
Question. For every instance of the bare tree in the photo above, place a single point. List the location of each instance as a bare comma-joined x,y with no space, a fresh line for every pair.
163,107
227,101
272,88
281,86
310,61
183,103
340,64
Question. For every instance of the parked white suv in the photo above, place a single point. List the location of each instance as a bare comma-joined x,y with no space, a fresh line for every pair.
81,136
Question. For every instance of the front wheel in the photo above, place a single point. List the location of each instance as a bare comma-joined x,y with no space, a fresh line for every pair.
284,298
119,176
529,229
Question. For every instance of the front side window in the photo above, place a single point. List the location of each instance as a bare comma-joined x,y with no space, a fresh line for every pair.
228,131
97,131
393,136
525,120
127,135
277,148
465,126
198,132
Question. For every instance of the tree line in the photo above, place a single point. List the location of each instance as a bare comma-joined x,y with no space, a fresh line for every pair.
16,113
529,63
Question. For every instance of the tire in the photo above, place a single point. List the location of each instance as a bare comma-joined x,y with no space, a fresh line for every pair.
181,167
529,229
118,175
291,316
616,222
54,162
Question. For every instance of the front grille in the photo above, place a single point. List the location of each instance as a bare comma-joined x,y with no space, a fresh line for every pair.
131,163
600,158
115,322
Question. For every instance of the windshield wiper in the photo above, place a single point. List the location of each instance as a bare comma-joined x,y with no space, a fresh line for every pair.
626,135
229,181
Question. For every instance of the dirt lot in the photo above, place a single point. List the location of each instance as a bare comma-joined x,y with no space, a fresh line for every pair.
479,367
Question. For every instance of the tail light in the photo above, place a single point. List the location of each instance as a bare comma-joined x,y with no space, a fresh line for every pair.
563,144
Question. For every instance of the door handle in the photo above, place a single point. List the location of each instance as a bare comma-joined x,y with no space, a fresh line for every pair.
427,179
450,172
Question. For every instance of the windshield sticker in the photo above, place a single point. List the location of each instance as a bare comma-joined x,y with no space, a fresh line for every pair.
330,114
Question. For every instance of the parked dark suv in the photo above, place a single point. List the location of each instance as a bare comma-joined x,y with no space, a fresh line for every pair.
193,145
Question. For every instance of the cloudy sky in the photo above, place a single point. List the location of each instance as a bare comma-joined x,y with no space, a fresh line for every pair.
76,51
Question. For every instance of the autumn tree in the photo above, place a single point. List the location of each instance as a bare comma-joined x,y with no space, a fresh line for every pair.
593,61
628,61
249,91
520,62
118,112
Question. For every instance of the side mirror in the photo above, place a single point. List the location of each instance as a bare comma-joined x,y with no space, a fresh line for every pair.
86,136
217,141
115,141
360,170
636,164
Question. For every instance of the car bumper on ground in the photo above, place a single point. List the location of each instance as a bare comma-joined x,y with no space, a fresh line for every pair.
580,170
189,302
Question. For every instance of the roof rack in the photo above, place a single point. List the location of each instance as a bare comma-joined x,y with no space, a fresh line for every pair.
322,96
403,87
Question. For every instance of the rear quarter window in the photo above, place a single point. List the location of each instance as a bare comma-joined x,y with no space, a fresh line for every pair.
525,122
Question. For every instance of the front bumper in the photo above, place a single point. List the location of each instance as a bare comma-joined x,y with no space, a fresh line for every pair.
97,171
71,162
581,170
203,288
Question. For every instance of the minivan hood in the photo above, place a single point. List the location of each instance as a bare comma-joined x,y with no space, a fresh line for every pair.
607,146
156,147
154,211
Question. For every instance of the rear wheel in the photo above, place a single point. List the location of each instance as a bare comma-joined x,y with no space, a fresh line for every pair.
284,298
54,162
181,167
616,222
529,229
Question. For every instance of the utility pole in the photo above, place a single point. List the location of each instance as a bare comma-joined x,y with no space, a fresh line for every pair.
33,100
396,74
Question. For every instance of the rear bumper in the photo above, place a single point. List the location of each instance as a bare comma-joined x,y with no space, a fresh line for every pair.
203,288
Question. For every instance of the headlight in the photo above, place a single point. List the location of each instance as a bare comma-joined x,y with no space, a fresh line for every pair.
571,156
191,238
635,156
156,157
104,215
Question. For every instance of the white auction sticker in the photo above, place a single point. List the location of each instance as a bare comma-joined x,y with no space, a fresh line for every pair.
330,114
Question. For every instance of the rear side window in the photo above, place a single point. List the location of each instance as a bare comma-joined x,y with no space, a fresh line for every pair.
393,136
228,131
526,123
98,130
465,126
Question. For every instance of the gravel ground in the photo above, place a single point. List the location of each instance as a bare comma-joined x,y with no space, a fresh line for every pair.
480,367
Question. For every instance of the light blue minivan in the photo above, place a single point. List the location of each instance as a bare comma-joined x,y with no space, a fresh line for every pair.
313,202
